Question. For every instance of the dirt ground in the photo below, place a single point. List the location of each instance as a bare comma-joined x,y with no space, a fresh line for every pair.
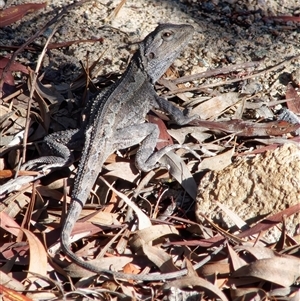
255,34
227,32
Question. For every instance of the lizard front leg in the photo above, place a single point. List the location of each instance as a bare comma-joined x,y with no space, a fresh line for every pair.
147,135
177,115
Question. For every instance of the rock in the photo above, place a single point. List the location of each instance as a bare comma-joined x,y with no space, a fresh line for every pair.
295,76
253,189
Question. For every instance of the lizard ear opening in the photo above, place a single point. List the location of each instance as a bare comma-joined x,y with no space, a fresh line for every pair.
151,55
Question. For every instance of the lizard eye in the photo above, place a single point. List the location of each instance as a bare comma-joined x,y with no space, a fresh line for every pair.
167,35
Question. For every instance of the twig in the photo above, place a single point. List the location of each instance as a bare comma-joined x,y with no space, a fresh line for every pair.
143,220
109,244
214,72
115,11
261,73
38,33
33,82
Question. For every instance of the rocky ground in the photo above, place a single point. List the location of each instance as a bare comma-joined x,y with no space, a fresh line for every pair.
227,32
252,37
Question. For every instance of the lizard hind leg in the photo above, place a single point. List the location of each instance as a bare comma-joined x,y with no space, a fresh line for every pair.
57,151
153,161
147,135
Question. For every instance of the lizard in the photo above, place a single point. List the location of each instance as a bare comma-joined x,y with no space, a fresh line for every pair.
116,120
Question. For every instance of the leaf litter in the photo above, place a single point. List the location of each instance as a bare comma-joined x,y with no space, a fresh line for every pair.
127,225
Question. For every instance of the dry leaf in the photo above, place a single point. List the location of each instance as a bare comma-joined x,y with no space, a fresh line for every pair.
80,230
147,235
160,258
143,219
198,282
236,261
8,224
10,282
280,270
219,267
36,250
215,106
241,224
179,170
123,170
11,295
115,263
15,13
102,217
218,162
294,99
257,251
198,133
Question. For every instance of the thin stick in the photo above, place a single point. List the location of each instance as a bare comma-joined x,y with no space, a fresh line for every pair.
214,72
33,82
261,73
38,33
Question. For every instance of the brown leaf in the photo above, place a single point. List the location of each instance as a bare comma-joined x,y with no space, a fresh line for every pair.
270,221
253,293
283,18
294,103
15,251
249,129
103,218
15,13
257,251
15,203
280,270
160,258
8,224
151,233
7,79
11,295
205,243
196,282
236,261
179,170
37,250
143,220
218,162
8,173
215,106
123,169
198,133
10,282
50,192
164,137
80,230
219,267
15,66
114,262
8,83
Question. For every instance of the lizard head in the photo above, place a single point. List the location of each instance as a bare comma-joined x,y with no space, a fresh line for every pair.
160,48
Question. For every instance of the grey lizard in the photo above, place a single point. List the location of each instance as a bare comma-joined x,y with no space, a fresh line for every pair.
116,120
